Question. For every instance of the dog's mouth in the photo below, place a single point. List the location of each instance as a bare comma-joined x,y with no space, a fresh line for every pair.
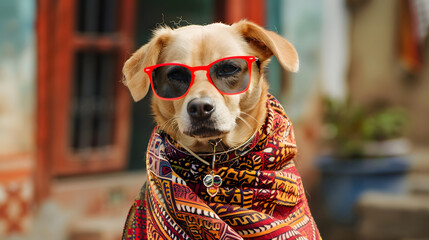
204,129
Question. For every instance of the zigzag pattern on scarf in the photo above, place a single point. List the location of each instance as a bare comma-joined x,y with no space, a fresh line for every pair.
261,196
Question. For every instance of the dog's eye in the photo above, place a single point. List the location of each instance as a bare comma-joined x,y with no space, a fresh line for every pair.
178,74
227,69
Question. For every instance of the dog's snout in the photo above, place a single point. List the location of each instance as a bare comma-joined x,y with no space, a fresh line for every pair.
200,108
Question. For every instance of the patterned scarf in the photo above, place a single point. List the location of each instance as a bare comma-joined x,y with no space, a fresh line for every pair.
261,196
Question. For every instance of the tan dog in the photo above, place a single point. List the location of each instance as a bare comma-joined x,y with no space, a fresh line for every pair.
209,84
205,113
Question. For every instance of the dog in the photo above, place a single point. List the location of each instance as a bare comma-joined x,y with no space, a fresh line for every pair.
211,101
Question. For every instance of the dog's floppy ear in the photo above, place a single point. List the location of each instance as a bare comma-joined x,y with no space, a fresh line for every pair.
134,77
267,43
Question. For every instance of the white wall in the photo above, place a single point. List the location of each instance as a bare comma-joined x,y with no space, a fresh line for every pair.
17,80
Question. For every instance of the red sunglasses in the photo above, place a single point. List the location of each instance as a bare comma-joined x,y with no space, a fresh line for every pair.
230,75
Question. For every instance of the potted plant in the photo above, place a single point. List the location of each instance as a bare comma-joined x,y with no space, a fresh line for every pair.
366,151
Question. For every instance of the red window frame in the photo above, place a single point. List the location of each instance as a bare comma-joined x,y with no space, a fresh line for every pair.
57,42
231,11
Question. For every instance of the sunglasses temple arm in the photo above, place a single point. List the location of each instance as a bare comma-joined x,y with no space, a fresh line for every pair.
258,63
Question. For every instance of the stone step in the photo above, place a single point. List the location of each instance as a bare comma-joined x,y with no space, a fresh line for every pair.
418,183
420,160
86,207
385,217
418,177
97,228
99,203
106,194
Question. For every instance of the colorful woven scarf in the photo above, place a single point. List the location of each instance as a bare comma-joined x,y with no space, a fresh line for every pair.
261,196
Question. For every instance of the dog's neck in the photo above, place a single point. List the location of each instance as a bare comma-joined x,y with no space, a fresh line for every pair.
218,149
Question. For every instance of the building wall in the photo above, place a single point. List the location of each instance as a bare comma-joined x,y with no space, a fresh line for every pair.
17,115
376,73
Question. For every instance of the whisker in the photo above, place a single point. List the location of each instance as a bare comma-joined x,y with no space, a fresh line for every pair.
252,117
176,130
245,122
161,126
171,123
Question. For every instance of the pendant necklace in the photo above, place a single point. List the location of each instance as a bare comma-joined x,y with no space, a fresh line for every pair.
213,181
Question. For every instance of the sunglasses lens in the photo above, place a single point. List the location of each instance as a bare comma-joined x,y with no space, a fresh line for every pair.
171,81
231,75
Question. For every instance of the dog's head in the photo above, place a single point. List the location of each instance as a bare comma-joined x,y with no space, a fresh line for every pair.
208,111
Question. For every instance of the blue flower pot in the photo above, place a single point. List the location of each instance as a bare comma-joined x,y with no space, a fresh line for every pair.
344,181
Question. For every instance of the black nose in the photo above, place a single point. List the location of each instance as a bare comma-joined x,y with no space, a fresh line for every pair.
200,108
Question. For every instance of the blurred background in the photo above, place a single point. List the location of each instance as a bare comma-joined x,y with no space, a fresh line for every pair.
72,142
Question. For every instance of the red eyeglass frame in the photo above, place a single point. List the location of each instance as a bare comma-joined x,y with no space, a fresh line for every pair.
249,60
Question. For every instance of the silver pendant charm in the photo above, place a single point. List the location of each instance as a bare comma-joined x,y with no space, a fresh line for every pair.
212,183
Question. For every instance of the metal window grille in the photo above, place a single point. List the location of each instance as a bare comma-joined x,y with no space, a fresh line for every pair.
97,16
93,100
92,112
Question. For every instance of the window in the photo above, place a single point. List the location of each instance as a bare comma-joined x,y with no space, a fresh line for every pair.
88,109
